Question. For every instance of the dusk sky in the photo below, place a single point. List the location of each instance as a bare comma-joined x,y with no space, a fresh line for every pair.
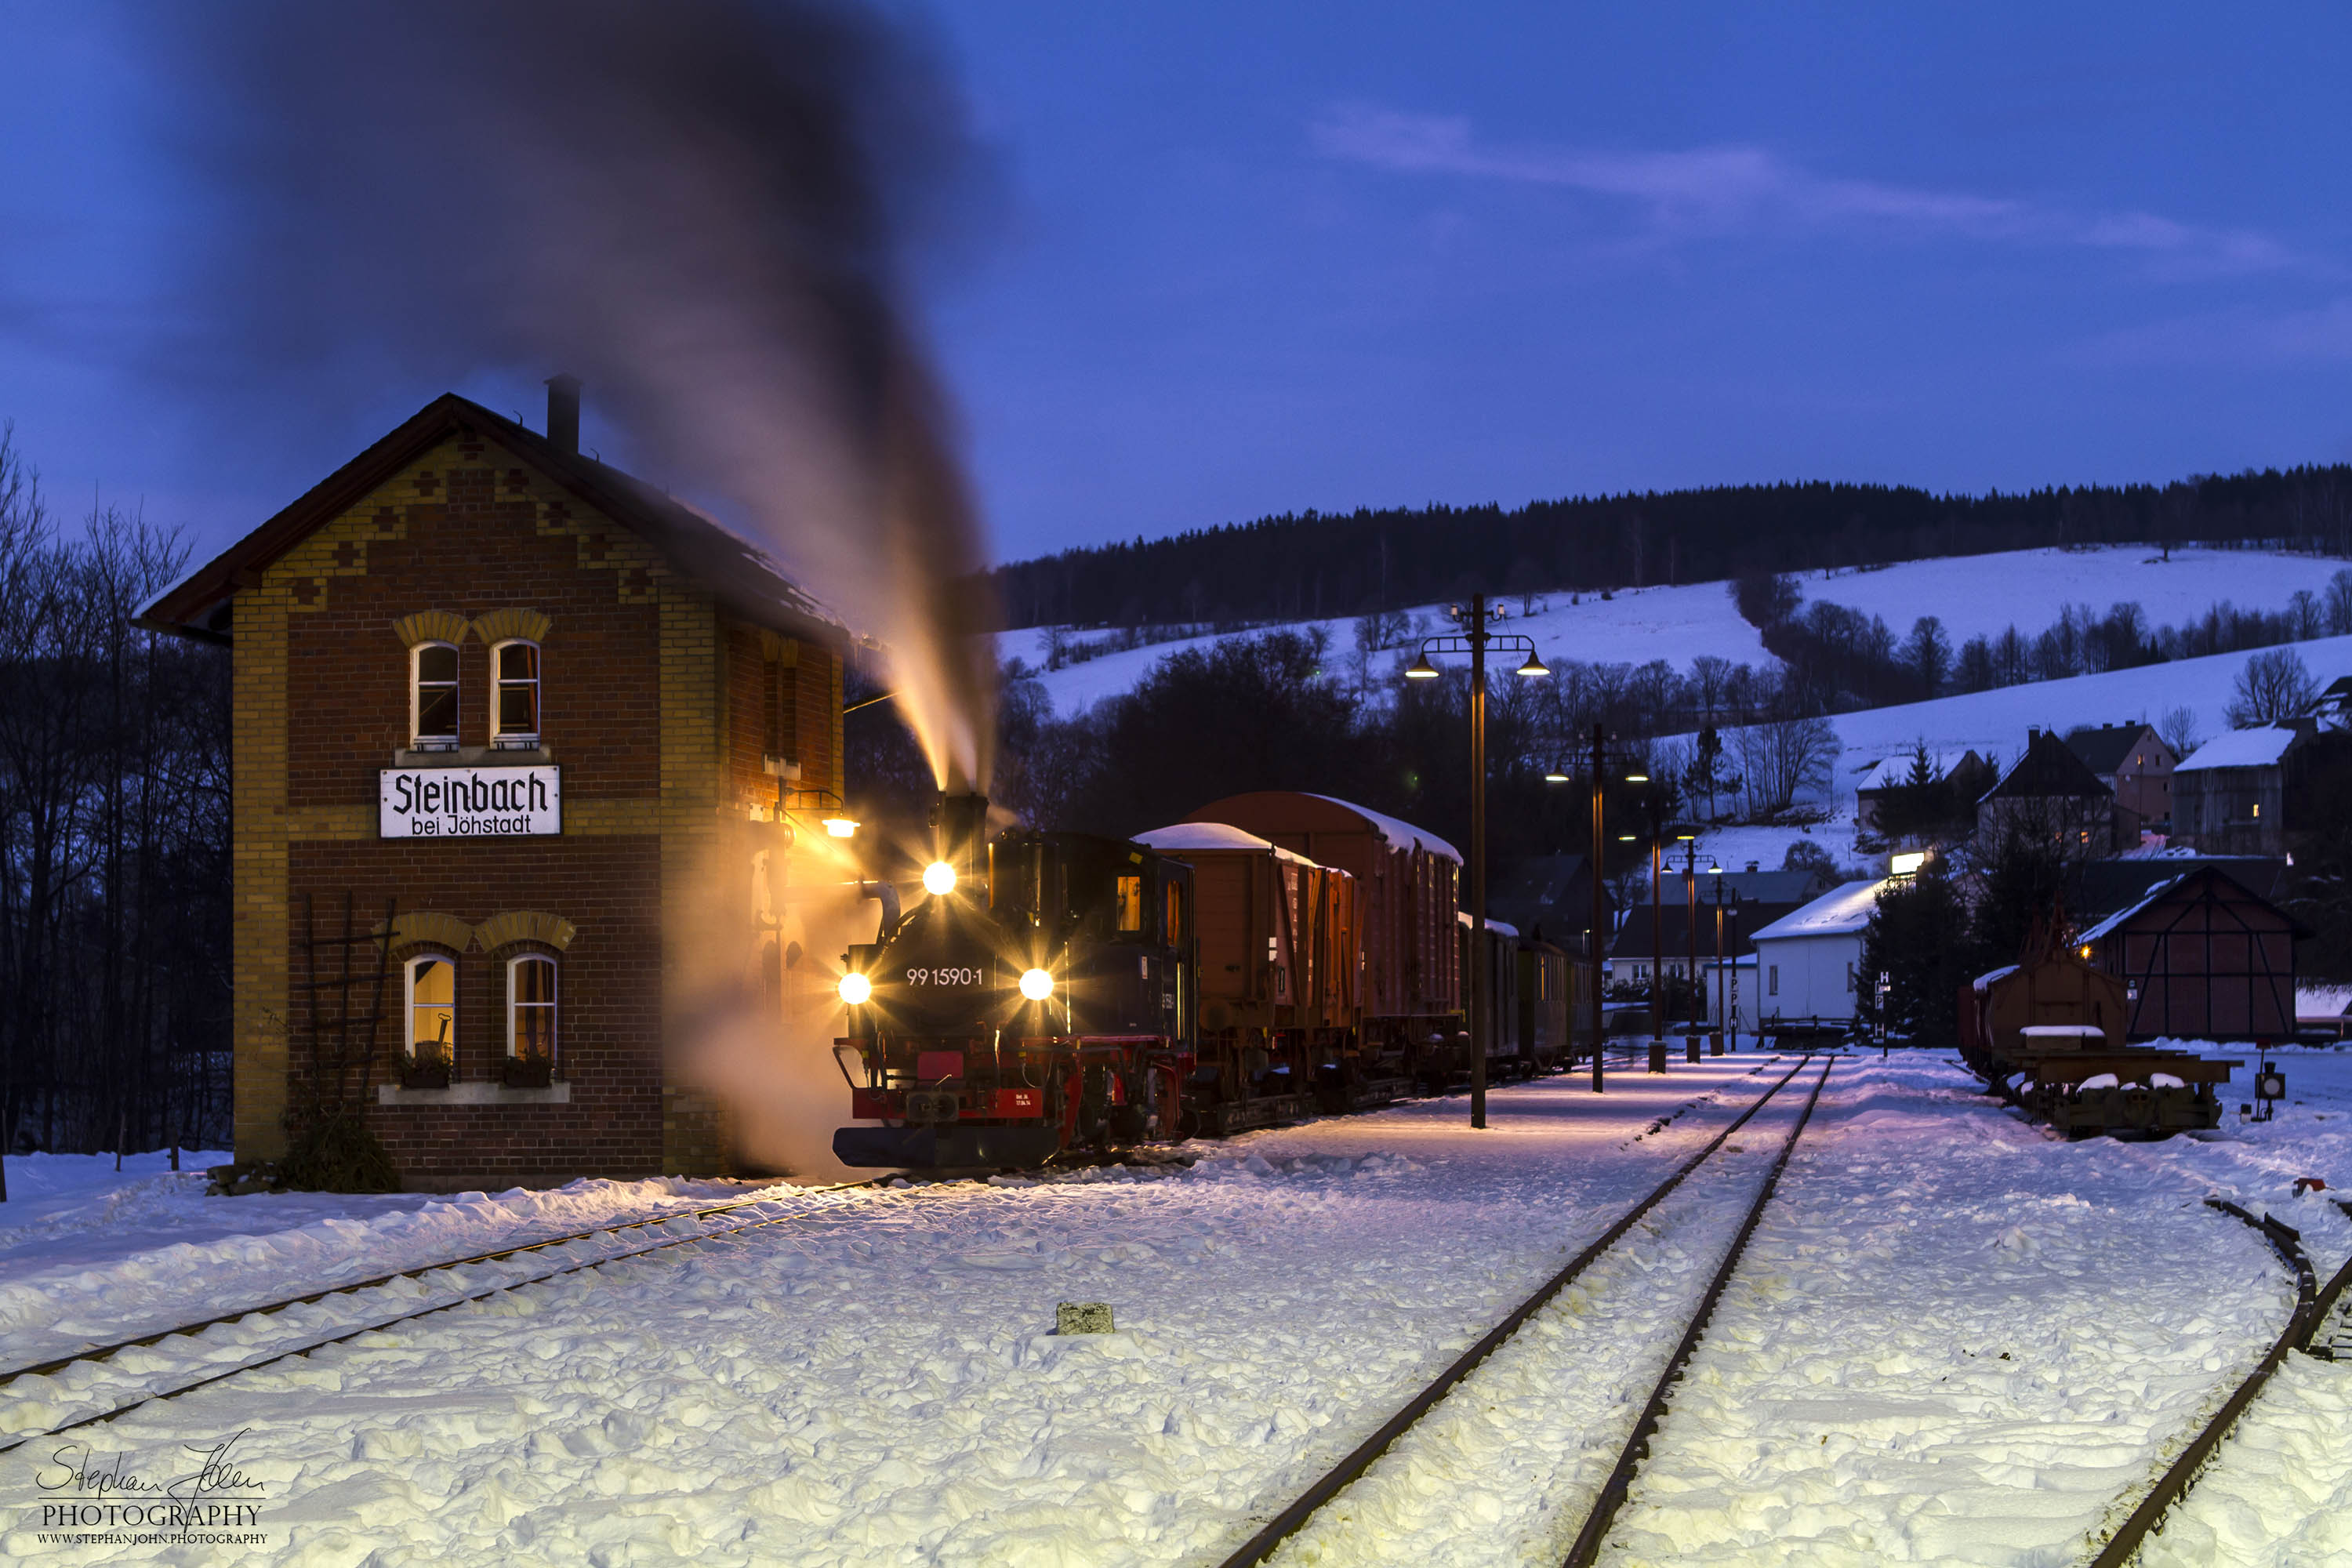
1243,259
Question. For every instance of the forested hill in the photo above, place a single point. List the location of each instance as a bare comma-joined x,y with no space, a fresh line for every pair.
1316,565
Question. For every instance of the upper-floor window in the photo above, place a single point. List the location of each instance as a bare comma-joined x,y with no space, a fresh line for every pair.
433,695
514,693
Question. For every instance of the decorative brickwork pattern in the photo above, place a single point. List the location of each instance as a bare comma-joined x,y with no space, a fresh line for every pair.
499,624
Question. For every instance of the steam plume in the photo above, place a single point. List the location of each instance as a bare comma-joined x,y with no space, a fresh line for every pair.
708,211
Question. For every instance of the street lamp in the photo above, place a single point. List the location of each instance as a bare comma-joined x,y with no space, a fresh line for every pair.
1474,640
1596,939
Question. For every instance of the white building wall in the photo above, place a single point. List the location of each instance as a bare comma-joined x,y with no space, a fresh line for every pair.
1809,976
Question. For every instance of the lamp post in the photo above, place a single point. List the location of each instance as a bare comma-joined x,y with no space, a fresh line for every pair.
1474,640
1698,992
1595,937
1714,868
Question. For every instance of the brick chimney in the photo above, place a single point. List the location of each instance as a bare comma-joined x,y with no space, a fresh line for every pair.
564,411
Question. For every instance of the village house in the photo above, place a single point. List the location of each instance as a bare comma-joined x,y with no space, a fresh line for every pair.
2049,794
1964,773
2235,794
2138,765
527,756
2203,957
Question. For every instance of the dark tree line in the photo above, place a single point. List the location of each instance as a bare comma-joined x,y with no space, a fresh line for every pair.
114,863
1318,565
1837,659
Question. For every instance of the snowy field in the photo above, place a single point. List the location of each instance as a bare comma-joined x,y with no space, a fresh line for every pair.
1955,1339
1972,594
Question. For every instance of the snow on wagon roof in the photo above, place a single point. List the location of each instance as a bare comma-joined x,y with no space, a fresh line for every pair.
2240,749
1839,910
1403,835
1185,836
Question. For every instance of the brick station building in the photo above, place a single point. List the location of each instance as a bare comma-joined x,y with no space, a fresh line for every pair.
571,734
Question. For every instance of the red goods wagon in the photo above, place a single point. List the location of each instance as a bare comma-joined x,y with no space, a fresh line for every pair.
1281,973
1408,893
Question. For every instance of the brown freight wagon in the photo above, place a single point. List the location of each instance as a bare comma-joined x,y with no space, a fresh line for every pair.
1281,977
2049,1035
1409,892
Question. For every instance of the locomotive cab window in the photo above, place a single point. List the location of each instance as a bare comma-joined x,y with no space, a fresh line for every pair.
1130,904
514,694
1174,931
433,696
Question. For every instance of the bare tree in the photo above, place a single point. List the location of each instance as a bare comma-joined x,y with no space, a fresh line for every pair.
2177,729
1784,757
2275,685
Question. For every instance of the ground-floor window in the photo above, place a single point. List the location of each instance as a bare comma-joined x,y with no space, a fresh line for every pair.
432,983
1772,986
531,1008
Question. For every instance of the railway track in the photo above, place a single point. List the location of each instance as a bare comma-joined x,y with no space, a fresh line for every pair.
2315,1305
1329,1487
121,1401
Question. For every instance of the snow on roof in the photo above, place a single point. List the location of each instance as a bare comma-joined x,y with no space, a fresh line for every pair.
1403,835
1500,928
2121,915
2241,749
1889,773
1184,835
2321,1003
1991,977
1838,912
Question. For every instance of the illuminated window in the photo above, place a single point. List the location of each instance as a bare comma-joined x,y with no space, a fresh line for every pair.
432,1005
1174,929
433,696
531,1008
514,697
2258,811
1130,903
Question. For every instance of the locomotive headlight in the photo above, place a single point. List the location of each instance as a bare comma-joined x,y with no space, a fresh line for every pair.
855,988
938,879
1036,984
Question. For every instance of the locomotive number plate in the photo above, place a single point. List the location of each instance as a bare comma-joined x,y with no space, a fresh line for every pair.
948,975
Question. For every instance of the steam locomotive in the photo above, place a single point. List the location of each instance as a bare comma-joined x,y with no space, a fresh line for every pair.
1055,991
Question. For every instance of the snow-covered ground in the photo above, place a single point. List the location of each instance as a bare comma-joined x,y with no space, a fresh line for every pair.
875,1380
89,1255
1972,594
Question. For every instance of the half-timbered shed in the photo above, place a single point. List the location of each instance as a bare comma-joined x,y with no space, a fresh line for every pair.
2201,957
525,752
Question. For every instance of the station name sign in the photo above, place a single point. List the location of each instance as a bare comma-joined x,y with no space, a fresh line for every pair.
469,802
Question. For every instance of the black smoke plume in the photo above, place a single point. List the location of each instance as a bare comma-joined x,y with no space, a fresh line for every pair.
710,212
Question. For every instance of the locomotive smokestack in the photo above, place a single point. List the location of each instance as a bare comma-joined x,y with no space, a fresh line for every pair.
960,838
564,411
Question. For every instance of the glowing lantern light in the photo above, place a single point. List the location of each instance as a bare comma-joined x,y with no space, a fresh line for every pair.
855,988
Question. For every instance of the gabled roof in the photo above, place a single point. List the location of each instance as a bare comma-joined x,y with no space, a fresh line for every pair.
1838,912
2185,881
2257,748
740,575
2103,887
2104,747
2048,768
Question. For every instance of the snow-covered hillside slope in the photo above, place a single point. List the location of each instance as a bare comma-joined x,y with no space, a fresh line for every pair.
1972,594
